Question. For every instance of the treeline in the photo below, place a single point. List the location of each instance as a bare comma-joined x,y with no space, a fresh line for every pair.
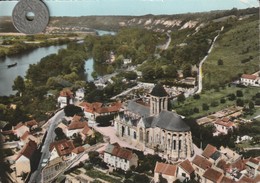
12,45
132,43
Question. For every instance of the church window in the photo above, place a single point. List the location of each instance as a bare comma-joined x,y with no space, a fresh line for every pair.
169,143
128,130
134,135
179,144
174,144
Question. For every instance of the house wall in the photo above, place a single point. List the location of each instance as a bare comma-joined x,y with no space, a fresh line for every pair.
182,175
169,178
22,165
20,131
70,133
119,162
49,172
54,154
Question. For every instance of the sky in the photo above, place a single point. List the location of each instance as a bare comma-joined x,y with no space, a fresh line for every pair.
132,7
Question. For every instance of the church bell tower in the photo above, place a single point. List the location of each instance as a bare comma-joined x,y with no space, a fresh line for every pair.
158,100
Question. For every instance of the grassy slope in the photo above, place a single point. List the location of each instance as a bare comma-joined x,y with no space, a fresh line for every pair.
210,96
230,47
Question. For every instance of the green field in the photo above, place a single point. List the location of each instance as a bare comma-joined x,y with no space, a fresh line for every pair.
212,96
236,43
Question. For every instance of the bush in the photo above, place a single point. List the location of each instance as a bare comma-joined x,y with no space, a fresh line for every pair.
239,93
222,101
196,96
220,62
196,110
231,97
214,104
205,106
88,166
240,102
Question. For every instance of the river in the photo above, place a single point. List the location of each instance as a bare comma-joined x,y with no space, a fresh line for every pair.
7,75
23,60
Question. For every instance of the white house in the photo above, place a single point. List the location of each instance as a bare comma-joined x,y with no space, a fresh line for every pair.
223,126
127,61
22,163
250,80
185,171
80,93
65,98
119,157
165,171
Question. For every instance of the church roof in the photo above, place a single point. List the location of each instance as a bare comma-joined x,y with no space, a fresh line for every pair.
159,91
170,121
138,108
148,121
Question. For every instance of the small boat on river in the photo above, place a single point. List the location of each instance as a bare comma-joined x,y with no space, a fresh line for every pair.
12,65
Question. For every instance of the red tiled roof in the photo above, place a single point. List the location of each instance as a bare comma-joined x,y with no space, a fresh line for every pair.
167,169
25,135
97,107
245,179
249,76
254,160
86,130
222,164
77,125
224,123
122,153
66,93
63,147
78,150
201,162
257,178
18,125
209,150
240,164
31,123
213,175
28,150
186,166
227,180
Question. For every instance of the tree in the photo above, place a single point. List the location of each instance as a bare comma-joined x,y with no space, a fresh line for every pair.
205,106
222,101
239,93
181,98
59,134
196,96
141,178
187,70
71,110
240,102
231,97
19,84
94,157
220,62
251,105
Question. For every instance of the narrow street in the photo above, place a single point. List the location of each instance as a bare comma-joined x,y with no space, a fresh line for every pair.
51,125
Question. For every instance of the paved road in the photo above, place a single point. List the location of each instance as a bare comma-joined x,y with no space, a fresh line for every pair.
51,125
203,60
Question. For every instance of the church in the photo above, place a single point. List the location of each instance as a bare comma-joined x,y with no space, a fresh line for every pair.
147,122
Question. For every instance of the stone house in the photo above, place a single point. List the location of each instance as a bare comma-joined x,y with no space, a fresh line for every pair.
165,171
119,157
185,171
62,148
23,160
